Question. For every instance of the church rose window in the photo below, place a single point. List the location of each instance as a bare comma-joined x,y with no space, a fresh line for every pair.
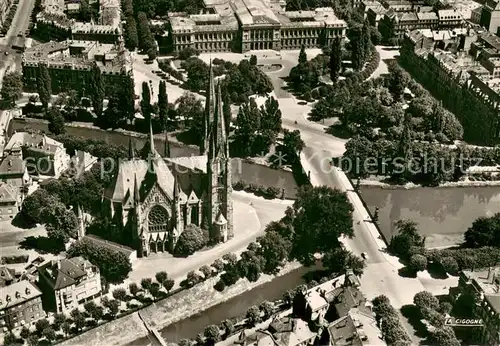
158,219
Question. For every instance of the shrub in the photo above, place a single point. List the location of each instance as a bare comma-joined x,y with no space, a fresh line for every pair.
441,138
425,300
323,91
220,286
120,294
272,192
450,265
418,263
239,185
191,240
315,94
307,96
218,264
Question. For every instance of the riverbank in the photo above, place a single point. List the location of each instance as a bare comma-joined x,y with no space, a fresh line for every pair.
196,300
409,186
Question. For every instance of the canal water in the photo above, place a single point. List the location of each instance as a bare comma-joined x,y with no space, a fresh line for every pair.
270,291
443,214
242,170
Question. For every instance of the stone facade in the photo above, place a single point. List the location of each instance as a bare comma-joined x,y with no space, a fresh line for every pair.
243,25
70,64
20,305
156,199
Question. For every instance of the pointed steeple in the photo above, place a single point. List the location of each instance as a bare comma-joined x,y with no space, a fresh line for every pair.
131,149
151,139
209,111
166,148
218,141
176,189
137,197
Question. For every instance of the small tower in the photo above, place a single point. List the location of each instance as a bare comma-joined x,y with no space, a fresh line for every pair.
178,226
166,146
131,149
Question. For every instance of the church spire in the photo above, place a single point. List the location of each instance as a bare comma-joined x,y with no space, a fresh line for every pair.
151,138
131,149
218,140
136,192
209,111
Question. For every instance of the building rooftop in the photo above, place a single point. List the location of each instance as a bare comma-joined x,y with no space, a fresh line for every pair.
449,15
8,194
66,272
427,16
323,16
7,274
355,328
108,244
17,293
33,140
488,282
12,165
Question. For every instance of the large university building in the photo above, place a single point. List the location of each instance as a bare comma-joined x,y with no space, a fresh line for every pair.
243,25
156,199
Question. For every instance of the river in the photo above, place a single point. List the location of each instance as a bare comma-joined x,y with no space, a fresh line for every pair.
270,291
443,214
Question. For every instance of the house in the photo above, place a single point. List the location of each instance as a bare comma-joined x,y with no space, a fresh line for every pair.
44,156
7,276
484,286
14,172
20,305
69,282
9,202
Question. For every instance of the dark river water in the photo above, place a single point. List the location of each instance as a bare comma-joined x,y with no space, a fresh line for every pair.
270,291
443,214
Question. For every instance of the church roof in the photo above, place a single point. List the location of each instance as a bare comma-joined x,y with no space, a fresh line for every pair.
124,180
191,162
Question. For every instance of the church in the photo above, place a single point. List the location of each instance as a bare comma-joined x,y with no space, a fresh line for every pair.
156,199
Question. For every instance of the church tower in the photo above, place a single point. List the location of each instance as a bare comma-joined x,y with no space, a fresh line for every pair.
209,113
220,204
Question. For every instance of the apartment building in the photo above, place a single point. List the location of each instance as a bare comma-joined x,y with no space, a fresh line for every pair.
484,286
464,74
68,282
14,172
70,64
43,155
9,202
244,25
20,305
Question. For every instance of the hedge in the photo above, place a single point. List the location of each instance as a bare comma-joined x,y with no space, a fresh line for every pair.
259,190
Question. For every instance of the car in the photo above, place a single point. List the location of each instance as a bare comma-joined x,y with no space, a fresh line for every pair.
364,256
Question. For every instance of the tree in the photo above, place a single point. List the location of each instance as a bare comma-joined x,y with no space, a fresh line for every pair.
130,35
293,144
450,265
206,271
485,231
185,342
253,316
40,325
90,307
12,88
336,59
44,85
218,264
397,80
59,319
56,121
32,340
146,101
302,55
321,216
146,283
444,336
191,240
163,104
133,288
406,238
228,327
435,318
220,285
161,276
192,278
146,39
113,306
120,294
230,259
338,260
116,112
66,328
97,91
155,290
418,263
168,284
275,250
357,47
10,339
85,11
267,309
190,113
253,60
49,333
212,334
25,333
425,299
78,319
113,265
61,223
270,115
